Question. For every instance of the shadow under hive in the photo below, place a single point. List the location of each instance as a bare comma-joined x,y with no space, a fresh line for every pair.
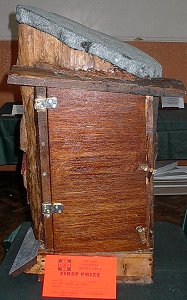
13,205
90,119
170,208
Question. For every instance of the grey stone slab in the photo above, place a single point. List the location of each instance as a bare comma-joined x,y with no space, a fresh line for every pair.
27,251
80,37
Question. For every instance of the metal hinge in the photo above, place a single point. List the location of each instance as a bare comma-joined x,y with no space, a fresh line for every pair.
146,168
142,232
45,103
48,209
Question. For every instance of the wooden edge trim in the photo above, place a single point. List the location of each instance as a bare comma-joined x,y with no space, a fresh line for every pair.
131,267
149,115
43,145
8,168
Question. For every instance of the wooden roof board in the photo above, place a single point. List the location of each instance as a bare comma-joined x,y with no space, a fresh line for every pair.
94,81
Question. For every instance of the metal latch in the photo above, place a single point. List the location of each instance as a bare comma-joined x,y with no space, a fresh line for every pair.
48,209
45,103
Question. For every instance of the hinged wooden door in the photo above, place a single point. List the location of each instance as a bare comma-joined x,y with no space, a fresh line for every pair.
98,156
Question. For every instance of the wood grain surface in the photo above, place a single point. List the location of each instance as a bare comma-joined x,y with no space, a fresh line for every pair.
36,47
40,48
34,195
94,81
100,140
130,267
43,162
97,143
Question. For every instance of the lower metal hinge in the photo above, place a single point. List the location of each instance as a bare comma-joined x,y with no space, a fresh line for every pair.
48,209
45,103
142,232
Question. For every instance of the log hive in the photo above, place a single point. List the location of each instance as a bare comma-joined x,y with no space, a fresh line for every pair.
93,150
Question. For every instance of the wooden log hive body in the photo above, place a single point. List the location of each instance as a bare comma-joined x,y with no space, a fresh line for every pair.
92,152
36,48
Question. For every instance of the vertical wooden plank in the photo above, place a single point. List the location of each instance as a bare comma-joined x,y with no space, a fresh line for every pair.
150,157
29,146
43,149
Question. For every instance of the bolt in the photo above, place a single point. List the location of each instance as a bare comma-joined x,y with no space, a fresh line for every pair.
144,167
139,229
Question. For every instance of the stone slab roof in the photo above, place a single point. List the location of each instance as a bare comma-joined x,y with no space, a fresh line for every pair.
80,37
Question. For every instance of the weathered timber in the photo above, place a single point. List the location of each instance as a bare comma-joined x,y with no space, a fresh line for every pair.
94,80
44,166
33,179
44,49
151,105
130,267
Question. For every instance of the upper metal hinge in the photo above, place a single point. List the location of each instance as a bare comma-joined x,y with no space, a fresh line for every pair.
45,103
48,209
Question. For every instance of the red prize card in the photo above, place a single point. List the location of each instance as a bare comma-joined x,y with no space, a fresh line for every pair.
80,277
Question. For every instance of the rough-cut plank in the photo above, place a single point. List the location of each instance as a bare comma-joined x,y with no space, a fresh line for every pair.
133,267
44,166
96,147
150,162
94,80
32,171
